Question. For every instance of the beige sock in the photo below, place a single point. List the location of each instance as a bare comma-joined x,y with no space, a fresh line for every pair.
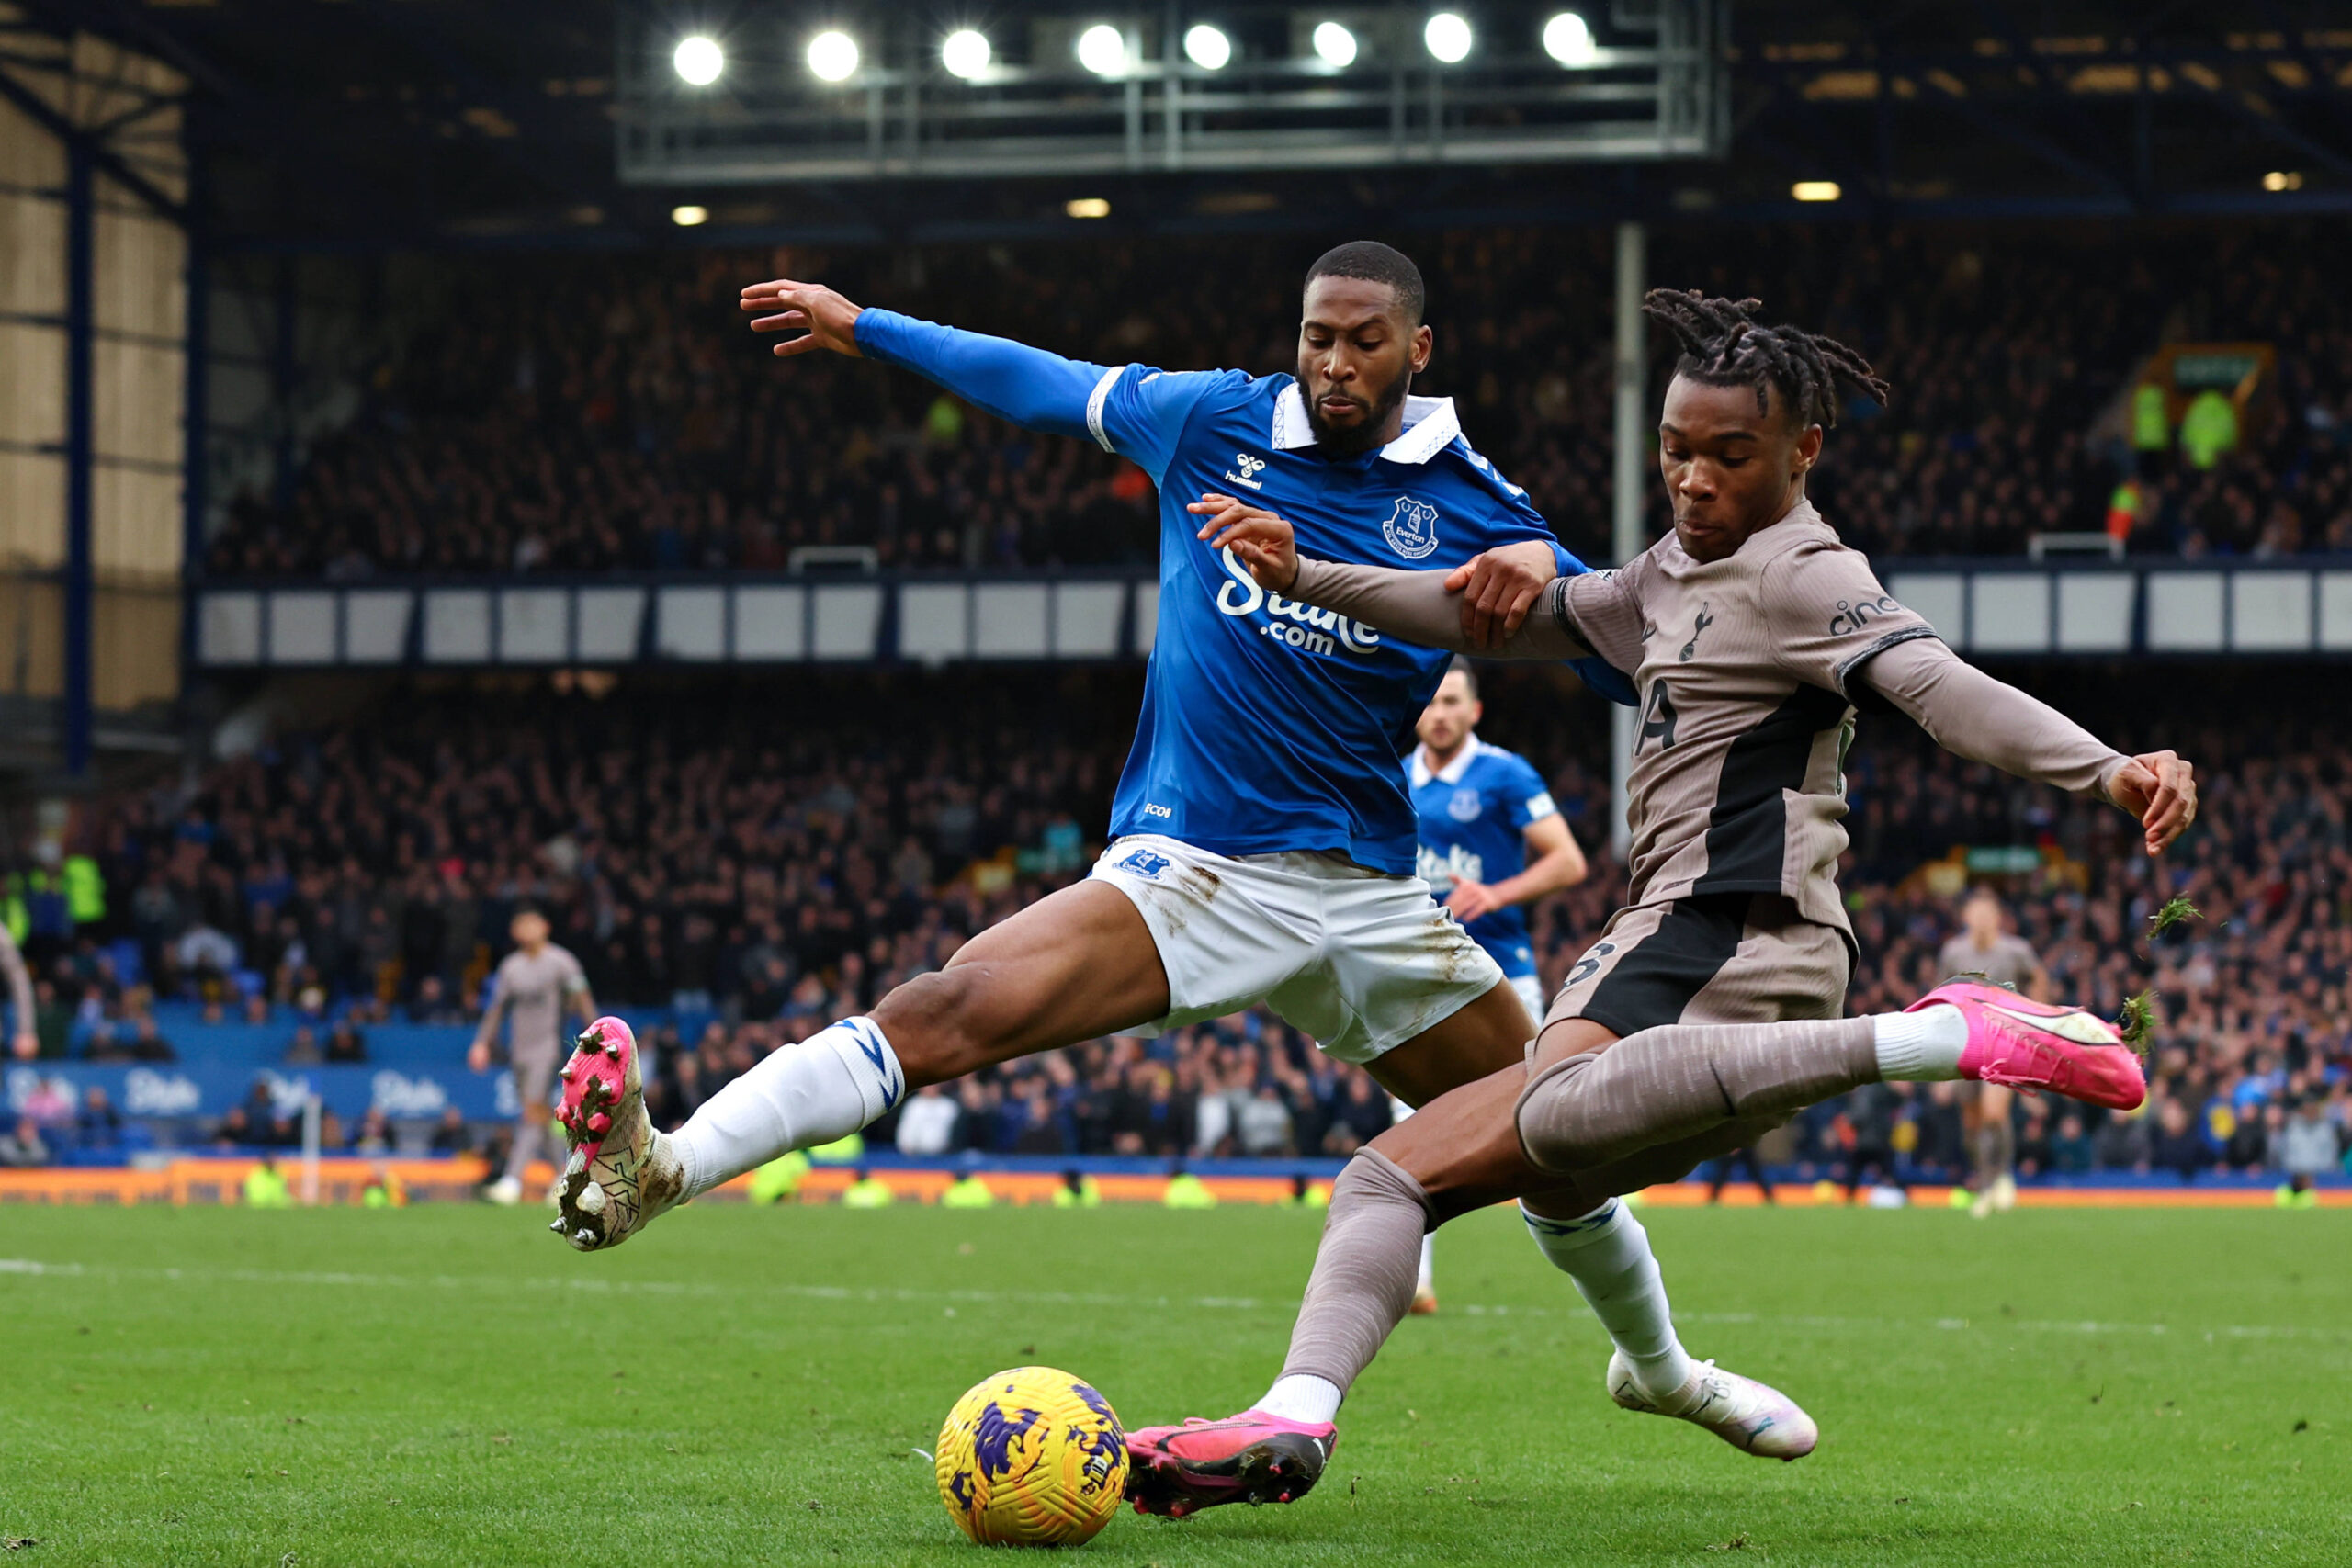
1363,1283
1683,1080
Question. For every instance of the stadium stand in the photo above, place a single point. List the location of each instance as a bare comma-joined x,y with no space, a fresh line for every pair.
739,862
587,415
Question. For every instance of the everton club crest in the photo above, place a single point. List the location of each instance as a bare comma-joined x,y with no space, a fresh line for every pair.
1412,532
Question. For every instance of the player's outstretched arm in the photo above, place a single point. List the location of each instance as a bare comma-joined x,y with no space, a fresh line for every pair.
1031,388
1972,715
1417,606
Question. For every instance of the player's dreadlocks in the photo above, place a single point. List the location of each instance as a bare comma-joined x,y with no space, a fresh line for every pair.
1724,345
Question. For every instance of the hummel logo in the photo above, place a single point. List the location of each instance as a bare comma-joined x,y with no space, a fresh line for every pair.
1250,466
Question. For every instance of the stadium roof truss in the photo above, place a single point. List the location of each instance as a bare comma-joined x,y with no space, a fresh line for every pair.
1657,87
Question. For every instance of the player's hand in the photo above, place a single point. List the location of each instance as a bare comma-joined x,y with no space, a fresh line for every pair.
823,318
1471,899
1259,539
27,1045
2161,791
479,1057
1500,587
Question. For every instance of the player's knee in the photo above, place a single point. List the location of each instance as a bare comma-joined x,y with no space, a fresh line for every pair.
1561,1127
1373,1178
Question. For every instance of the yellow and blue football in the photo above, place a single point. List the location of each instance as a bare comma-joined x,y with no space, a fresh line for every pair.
1032,1456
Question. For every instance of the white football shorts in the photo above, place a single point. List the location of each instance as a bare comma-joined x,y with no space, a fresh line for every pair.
1358,961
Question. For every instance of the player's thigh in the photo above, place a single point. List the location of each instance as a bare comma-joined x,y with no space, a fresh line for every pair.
1463,1146
1078,964
1402,988
1475,1042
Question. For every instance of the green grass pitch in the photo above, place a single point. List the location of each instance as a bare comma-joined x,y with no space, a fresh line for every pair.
448,1385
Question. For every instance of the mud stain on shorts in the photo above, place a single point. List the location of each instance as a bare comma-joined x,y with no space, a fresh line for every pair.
1451,945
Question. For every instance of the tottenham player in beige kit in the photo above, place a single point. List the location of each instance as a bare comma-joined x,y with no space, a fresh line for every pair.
1709,1010
531,988
1982,947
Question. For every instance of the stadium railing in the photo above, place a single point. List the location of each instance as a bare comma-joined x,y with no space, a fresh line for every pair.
1993,605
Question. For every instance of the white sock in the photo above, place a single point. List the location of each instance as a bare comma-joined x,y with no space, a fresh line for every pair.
1425,1284
1920,1047
1607,1253
1297,1397
828,1087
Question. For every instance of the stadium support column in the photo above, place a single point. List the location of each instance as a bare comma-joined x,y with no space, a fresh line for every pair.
195,455
1634,452
80,444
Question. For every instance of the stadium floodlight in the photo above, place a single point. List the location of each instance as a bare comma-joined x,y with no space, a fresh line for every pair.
1567,39
690,216
1207,47
1102,49
966,53
1816,190
698,60
1448,38
1334,45
1087,207
833,55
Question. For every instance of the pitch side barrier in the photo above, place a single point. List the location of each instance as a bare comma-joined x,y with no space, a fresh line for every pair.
1033,1180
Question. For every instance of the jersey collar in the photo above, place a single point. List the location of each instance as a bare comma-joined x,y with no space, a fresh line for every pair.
1452,772
1430,425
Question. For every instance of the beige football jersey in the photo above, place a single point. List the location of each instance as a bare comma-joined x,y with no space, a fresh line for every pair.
535,992
2011,961
1741,668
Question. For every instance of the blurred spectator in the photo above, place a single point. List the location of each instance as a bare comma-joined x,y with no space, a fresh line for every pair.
345,1045
927,1124
98,1125
451,1136
24,1146
2179,1147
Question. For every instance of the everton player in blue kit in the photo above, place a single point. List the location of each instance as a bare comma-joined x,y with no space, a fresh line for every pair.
1264,842
1492,843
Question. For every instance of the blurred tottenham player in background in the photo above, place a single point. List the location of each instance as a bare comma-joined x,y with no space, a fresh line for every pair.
529,991
1982,947
1492,843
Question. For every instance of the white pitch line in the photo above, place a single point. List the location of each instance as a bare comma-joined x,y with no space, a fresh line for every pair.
38,1268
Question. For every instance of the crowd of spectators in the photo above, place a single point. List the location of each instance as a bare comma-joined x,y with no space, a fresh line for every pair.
593,414
751,861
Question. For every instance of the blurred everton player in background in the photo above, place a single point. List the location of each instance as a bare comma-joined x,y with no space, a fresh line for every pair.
1263,839
1492,843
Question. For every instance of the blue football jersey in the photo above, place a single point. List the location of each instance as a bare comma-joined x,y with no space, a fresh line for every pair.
1473,814
1268,726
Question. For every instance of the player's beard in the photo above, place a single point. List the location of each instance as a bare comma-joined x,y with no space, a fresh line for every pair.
1363,437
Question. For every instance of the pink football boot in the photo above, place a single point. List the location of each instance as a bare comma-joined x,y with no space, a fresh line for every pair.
2033,1045
622,1172
1251,1458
